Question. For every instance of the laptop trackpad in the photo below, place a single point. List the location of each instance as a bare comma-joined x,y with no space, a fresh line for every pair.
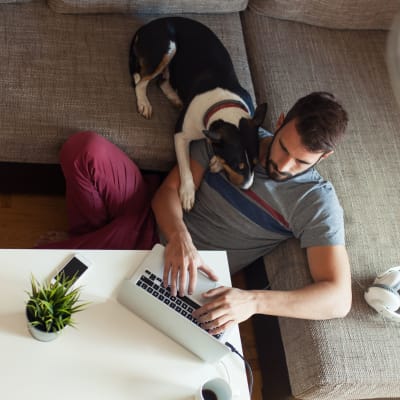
203,285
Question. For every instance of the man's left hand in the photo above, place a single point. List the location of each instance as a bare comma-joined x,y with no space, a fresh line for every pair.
228,306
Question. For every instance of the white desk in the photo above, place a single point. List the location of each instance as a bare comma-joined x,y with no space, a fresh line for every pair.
112,354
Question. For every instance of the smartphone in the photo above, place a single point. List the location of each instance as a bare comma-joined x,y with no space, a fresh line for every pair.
76,266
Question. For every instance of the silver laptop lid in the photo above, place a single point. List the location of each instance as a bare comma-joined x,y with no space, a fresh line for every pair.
145,298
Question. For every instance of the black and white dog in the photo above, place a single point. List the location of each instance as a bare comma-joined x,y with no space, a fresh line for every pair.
197,74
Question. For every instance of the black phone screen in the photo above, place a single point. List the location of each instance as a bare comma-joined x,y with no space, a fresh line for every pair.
74,267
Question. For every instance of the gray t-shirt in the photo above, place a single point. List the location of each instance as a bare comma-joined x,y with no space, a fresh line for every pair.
250,223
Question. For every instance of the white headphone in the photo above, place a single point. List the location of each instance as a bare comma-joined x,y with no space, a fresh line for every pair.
383,295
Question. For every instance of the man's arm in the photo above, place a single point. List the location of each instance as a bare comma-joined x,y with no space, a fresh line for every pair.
329,296
181,256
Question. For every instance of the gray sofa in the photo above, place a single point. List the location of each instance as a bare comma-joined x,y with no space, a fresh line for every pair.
356,357
64,68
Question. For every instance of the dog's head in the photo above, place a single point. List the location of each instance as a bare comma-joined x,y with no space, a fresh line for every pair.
236,148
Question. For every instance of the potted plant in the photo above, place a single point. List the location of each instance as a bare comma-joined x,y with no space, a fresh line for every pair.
51,306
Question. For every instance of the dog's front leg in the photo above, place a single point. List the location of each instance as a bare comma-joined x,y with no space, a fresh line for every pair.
167,89
143,103
187,189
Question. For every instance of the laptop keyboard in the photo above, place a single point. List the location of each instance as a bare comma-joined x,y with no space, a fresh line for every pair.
183,305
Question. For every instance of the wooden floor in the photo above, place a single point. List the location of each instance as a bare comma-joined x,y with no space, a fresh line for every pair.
24,217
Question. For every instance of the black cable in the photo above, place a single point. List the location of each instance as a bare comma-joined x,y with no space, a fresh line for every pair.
247,365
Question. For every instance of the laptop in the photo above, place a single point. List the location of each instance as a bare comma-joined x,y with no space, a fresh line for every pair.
145,295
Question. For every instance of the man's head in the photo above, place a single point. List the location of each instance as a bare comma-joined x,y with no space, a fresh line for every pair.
309,133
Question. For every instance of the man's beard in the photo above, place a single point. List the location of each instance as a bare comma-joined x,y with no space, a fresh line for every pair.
273,171
272,168
275,174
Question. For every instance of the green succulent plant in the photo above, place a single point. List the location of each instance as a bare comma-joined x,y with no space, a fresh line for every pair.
51,305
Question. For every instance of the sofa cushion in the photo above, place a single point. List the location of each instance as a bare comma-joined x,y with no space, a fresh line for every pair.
14,1
355,357
147,6
64,73
342,14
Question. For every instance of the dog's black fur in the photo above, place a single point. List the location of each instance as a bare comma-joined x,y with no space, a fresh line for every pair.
189,57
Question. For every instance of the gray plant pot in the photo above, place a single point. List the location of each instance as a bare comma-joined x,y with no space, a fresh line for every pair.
38,334
42,335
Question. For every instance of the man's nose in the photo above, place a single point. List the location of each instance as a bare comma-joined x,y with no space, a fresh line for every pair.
284,164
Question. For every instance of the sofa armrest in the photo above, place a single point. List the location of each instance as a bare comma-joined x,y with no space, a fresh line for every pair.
14,1
146,6
337,14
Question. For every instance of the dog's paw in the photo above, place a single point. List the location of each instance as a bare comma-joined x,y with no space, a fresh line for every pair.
215,165
187,195
144,108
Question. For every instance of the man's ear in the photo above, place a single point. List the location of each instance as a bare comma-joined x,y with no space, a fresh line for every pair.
280,121
327,154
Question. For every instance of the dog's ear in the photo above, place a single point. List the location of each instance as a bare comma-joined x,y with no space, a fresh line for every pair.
249,133
214,136
259,114
252,124
213,133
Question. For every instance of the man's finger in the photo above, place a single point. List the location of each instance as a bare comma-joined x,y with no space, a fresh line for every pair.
182,281
222,328
216,323
203,313
192,278
174,278
215,292
167,268
209,272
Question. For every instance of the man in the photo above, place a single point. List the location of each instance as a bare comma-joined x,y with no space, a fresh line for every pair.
287,199
106,197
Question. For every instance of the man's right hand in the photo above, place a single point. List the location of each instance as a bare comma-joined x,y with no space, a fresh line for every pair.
182,261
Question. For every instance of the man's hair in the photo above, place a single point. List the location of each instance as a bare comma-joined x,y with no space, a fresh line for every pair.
320,121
